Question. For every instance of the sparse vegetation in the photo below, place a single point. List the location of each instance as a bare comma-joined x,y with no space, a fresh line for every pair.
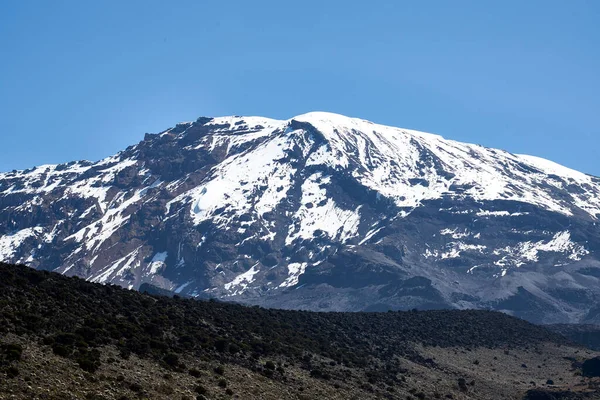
66,313
75,321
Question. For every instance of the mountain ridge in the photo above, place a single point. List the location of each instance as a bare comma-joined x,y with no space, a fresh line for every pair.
320,211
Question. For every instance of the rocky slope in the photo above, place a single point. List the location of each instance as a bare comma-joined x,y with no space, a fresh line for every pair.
319,212
65,338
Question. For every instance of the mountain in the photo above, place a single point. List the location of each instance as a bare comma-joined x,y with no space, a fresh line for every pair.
319,212
64,337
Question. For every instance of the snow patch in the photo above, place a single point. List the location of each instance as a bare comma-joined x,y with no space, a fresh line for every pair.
157,263
117,268
10,244
318,213
241,282
180,288
528,252
294,272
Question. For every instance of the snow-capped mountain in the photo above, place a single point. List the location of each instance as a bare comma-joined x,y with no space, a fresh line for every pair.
319,212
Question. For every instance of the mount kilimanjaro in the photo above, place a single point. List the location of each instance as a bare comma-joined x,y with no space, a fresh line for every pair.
319,212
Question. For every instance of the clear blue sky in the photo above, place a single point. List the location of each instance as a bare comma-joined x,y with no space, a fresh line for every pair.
84,79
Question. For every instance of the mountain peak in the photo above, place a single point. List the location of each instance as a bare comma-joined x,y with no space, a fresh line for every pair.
247,208
324,116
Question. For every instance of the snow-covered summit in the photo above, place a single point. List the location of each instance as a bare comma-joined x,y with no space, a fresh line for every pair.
405,165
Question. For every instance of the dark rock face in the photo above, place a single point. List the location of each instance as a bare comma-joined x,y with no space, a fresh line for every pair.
591,367
320,212
537,394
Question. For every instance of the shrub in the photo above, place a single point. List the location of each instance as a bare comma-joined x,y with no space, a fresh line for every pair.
222,383
88,334
67,339
166,390
201,390
222,345
88,365
195,372
89,361
135,387
319,374
12,352
270,365
12,372
234,348
219,370
61,350
171,359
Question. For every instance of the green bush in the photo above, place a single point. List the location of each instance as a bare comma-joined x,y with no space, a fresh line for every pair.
219,370
12,352
201,390
270,365
234,348
61,350
136,387
222,345
89,361
319,374
12,372
171,359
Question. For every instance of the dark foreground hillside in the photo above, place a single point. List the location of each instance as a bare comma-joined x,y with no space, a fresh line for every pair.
66,338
